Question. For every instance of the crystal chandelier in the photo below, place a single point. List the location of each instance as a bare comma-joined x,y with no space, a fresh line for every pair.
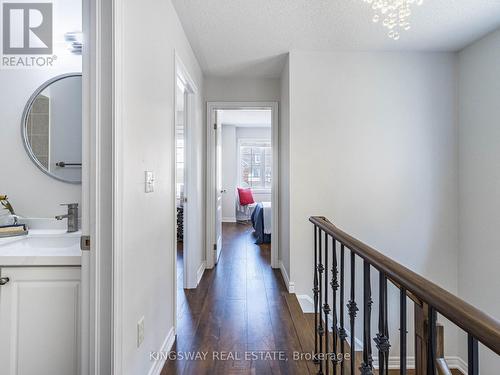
393,14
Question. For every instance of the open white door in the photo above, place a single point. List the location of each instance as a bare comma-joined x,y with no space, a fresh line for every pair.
218,190
98,147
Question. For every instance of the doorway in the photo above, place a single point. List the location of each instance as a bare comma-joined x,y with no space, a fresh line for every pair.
180,178
185,218
242,173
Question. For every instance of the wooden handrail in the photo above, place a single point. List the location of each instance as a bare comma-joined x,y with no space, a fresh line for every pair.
482,326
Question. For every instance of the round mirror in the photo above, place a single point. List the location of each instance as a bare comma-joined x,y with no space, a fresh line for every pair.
52,128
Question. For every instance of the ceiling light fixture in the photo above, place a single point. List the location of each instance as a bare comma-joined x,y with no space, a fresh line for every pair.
393,14
75,41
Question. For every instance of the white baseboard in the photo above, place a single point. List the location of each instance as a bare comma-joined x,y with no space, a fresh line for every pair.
306,303
457,363
165,348
199,273
358,344
290,285
229,220
453,363
393,361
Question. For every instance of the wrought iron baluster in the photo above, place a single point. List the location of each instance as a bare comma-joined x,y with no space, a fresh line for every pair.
342,332
431,345
315,293
321,330
335,285
382,339
326,307
402,331
353,309
473,355
367,365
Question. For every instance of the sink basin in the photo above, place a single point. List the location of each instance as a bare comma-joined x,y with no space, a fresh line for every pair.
41,248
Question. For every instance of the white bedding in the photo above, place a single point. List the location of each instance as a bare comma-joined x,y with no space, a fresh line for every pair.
268,222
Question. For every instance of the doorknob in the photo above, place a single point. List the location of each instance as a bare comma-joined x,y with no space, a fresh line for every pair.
4,280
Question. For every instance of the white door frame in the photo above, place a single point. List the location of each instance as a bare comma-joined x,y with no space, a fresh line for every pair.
190,274
97,187
211,165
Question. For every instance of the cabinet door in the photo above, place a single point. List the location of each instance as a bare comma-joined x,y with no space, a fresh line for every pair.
39,321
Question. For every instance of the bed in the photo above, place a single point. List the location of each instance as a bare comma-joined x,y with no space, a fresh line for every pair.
262,222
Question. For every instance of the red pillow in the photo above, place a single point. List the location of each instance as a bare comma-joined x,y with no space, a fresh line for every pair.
246,196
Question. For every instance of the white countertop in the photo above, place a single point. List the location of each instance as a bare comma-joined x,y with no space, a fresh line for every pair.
41,247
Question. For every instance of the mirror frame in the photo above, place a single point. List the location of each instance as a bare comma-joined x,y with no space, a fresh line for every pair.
24,125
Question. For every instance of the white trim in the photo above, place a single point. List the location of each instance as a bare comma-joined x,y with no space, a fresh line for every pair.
87,327
200,272
191,90
452,361
290,285
97,147
158,365
229,219
306,303
358,344
210,195
118,169
458,363
393,360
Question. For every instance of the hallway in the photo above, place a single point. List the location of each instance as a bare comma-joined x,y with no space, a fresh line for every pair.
241,308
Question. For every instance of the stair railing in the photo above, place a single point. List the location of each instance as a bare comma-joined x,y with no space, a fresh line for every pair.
429,301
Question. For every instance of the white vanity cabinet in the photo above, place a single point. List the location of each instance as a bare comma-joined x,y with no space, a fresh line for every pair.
40,321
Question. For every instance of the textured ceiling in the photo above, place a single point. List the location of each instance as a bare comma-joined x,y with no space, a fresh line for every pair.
250,37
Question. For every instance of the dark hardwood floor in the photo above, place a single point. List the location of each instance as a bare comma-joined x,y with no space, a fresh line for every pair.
241,318
242,307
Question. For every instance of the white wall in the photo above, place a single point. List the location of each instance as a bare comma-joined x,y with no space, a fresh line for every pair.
33,193
479,181
242,89
147,122
373,143
230,137
284,152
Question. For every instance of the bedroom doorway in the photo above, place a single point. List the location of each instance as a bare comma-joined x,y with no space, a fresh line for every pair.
242,180
184,182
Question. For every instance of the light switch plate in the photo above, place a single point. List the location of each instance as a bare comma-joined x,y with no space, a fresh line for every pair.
149,183
140,332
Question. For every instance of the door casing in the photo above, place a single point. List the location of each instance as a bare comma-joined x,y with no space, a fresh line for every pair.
211,174
190,91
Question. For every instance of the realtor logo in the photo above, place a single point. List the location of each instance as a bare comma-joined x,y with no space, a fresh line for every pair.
27,29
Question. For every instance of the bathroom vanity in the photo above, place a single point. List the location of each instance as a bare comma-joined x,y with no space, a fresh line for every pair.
40,272
40,303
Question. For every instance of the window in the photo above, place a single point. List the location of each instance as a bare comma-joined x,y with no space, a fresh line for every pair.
255,163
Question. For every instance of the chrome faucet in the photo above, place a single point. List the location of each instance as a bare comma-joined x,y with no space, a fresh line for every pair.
72,216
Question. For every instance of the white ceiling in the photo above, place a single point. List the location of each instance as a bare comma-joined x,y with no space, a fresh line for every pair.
250,37
245,118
